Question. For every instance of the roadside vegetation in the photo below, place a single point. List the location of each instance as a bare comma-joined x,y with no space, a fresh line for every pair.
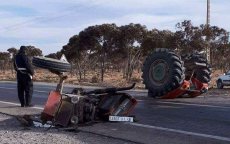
108,54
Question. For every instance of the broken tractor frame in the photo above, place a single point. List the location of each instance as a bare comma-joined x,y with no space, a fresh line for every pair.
81,106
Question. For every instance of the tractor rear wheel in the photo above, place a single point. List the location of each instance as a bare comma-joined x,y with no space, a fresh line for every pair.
203,74
162,72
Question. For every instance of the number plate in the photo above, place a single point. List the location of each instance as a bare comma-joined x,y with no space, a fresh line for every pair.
121,118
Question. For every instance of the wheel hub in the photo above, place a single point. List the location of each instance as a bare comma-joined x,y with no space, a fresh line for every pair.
159,72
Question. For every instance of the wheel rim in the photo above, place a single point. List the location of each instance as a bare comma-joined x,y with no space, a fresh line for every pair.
158,72
219,84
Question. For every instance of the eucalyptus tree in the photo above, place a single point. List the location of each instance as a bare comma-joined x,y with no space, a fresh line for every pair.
77,55
189,38
13,51
33,51
219,46
99,40
157,39
4,60
130,39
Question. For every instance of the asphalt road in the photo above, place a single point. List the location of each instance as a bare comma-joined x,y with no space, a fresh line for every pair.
201,120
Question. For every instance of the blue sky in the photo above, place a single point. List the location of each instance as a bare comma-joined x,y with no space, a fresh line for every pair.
48,24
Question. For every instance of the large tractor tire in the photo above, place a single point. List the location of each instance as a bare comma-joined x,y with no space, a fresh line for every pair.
54,65
162,72
203,74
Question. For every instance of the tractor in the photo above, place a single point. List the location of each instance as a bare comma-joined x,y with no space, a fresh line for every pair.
166,75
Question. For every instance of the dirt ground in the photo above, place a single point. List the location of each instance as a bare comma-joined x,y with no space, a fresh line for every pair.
92,79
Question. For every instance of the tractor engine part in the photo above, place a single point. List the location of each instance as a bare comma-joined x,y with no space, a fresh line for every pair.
80,106
75,108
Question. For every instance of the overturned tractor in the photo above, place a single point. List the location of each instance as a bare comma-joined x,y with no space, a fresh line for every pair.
167,75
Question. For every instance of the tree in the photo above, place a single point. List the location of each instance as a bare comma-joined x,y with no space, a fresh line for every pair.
130,39
33,51
72,49
4,60
99,40
13,51
219,46
157,39
189,38
76,55
4,56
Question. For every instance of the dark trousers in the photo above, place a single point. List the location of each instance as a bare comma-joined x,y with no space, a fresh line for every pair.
25,89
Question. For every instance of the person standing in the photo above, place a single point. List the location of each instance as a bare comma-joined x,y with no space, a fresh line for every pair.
25,74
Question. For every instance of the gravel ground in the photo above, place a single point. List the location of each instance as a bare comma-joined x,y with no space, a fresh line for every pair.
11,132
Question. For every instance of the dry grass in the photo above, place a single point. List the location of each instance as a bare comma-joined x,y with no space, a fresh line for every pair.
110,78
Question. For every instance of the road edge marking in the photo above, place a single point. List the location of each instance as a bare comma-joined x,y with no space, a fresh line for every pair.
182,132
192,104
16,89
17,104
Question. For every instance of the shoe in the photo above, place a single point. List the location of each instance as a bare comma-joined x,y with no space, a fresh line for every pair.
22,105
29,105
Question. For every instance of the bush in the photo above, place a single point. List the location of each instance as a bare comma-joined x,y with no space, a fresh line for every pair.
95,79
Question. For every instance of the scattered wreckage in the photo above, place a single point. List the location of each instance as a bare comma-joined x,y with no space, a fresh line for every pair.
69,110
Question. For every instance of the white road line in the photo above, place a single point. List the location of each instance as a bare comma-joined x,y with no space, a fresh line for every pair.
16,89
17,104
154,127
190,104
6,88
41,91
182,132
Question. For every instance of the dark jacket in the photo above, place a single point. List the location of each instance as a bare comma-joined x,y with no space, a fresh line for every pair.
22,61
